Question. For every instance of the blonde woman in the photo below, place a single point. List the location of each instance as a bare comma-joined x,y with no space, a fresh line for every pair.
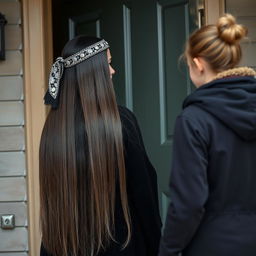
213,204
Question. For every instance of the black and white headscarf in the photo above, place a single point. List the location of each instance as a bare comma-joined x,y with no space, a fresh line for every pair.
58,67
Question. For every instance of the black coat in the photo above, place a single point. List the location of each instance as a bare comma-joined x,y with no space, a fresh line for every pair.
142,197
213,177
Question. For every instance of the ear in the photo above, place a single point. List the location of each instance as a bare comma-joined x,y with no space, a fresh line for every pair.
199,64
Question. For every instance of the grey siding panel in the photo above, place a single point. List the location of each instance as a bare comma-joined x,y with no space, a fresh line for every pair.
241,8
249,54
12,65
12,164
13,37
245,14
14,254
11,88
12,189
13,240
11,10
18,209
11,139
11,113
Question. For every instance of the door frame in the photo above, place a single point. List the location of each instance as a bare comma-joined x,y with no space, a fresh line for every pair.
213,10
38,56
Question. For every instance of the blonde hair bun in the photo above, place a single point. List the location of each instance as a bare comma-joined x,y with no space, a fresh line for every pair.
229,31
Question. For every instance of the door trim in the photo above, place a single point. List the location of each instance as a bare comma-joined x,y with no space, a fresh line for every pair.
213,10
37,47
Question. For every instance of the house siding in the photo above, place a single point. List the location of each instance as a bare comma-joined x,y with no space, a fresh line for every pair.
246,15
13,182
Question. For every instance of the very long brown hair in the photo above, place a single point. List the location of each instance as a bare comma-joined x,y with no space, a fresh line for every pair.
82,160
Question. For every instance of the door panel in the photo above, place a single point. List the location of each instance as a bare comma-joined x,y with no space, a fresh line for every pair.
175,19
146,40
85,24
159,30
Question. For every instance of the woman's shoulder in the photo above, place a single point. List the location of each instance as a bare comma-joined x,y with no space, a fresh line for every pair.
128,119
130,126
196,120
196,114
126,114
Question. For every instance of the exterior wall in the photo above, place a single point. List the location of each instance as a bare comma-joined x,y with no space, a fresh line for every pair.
13,195
213,10
245,12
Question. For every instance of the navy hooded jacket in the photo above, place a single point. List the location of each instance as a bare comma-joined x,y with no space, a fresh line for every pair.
213,177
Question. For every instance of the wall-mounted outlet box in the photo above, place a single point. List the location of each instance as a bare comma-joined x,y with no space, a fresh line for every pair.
8,221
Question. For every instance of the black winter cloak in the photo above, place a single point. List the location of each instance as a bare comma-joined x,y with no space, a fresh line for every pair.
142,197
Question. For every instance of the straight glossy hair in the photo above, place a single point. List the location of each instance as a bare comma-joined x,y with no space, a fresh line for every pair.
82,160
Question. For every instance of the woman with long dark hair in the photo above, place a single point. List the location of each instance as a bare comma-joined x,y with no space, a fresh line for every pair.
98,188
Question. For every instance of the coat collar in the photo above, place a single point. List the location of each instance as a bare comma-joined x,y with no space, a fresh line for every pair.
234,72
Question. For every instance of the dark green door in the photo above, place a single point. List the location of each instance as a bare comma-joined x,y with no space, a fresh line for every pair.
146,39
159,31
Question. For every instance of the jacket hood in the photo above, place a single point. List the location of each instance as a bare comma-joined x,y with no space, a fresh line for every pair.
232,100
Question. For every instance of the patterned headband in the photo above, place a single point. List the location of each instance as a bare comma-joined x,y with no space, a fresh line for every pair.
58,66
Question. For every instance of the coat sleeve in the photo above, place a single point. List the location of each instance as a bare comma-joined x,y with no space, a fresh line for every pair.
142,187
188,187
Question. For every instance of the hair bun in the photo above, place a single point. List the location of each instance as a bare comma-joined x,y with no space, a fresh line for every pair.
229,31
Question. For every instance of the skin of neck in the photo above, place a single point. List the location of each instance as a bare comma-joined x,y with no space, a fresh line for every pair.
201,72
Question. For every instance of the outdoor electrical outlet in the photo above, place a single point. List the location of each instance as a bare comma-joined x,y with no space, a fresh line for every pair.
8,221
